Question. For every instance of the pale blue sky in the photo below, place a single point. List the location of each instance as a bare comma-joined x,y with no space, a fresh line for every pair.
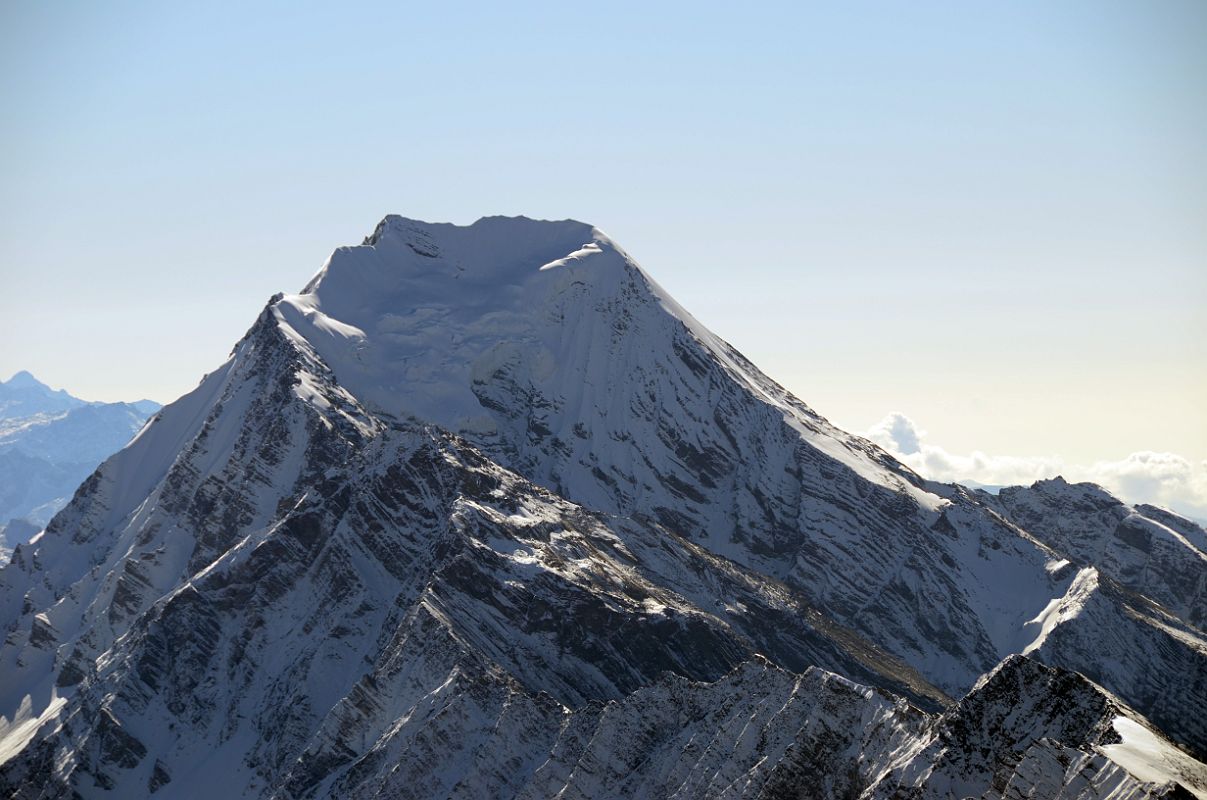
988,216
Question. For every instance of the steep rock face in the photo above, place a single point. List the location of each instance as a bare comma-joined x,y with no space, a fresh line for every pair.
546,346
1150,551
487,486
1129,639
213,466
1028,730
1148,562
305,641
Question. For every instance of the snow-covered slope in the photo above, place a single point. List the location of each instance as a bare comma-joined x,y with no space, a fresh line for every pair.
486,497
50,441
535,341
1149,550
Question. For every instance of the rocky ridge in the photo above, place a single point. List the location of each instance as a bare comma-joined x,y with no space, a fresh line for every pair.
487,497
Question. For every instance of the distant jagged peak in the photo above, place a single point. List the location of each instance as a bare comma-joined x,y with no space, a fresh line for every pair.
24,379
1056,491
146,406
23,395
1058,485
28,386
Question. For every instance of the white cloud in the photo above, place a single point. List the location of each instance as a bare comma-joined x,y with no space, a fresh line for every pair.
898,433
1163,479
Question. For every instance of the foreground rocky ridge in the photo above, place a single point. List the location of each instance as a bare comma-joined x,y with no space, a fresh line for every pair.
486,498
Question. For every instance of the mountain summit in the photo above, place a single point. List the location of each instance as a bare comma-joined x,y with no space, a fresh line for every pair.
483,512
25,380
23,395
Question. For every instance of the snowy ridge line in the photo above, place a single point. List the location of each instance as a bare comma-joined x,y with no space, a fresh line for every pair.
483,496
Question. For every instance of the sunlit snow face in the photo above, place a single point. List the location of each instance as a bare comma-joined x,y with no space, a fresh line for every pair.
988,217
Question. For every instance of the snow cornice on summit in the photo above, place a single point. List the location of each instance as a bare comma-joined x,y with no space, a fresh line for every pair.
492,249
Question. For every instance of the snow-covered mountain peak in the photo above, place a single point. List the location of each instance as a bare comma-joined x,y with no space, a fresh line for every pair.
1058,486
542,341
410,319
24,395
493,249
485,497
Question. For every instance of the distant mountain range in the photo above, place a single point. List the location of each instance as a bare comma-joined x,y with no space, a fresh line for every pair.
50,441
482,512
